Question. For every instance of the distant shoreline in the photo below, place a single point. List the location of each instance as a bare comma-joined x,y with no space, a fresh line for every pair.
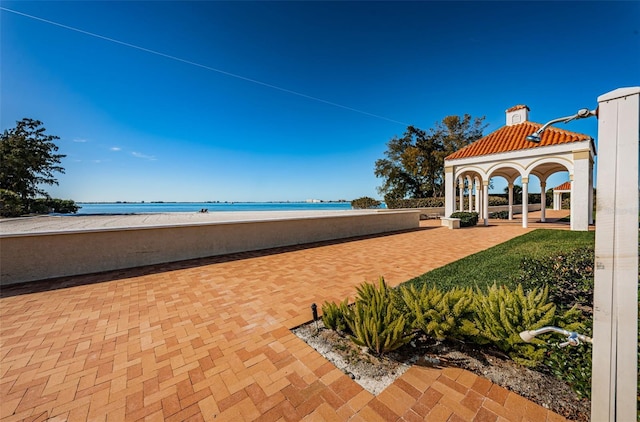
315,201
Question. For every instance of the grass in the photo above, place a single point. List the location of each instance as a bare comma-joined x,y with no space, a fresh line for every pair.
501,263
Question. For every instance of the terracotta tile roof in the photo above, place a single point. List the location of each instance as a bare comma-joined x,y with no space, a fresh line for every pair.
512,138
564,186
517,107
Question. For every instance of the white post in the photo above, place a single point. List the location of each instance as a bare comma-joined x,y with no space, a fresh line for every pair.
557,201
543,201
477,185
525,202
615,317
481,201
485,201
470,186
461,188
449,192
510,200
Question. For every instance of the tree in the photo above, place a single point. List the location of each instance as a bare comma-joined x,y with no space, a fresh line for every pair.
364,203
414,163
28,160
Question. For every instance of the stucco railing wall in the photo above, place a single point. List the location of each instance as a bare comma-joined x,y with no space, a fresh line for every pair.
31,257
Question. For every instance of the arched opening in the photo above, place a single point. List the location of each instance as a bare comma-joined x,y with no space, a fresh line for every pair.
468,190
545,169
509,173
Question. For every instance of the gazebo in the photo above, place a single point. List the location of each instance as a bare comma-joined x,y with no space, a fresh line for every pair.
506,153
557,194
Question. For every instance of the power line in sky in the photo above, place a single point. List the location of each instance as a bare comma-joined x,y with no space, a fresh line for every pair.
213,69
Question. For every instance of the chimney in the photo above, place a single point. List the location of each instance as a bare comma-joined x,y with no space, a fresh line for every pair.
517,114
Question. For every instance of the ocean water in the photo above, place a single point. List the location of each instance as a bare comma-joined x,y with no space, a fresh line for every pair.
164,207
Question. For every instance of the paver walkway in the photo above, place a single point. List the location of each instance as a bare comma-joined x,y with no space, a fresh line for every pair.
211,341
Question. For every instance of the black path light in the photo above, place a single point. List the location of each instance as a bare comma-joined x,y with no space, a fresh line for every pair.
314,312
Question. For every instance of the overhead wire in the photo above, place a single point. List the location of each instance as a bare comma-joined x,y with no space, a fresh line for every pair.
192,63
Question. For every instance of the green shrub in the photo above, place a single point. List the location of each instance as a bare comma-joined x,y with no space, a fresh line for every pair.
467,219
415,202
333,315
441,315
572,364
11,204
503,198
502,313
39,206
497,201
365,203
49,205
569,277
500,215
63,206
375,322
436,202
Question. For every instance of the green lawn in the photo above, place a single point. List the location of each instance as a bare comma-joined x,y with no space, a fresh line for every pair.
501,264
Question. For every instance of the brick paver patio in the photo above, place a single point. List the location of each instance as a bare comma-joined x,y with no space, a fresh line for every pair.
210,340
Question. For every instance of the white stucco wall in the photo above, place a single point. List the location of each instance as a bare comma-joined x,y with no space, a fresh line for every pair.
38,256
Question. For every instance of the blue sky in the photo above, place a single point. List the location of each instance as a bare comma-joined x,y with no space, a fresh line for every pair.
139,126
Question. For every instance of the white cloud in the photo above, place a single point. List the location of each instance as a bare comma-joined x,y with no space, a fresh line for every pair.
143,156
115,149
80,141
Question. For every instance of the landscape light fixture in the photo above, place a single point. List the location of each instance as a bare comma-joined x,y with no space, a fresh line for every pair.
573,338
581,114
314,313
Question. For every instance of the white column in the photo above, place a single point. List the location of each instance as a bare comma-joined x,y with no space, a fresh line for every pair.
470,186
485,201
571,204
543,201
510,200
480,198
557,201
615,304
449,192
525,202
580,191
477,185
461,188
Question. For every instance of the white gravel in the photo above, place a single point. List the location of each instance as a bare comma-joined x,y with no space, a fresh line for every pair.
373,378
